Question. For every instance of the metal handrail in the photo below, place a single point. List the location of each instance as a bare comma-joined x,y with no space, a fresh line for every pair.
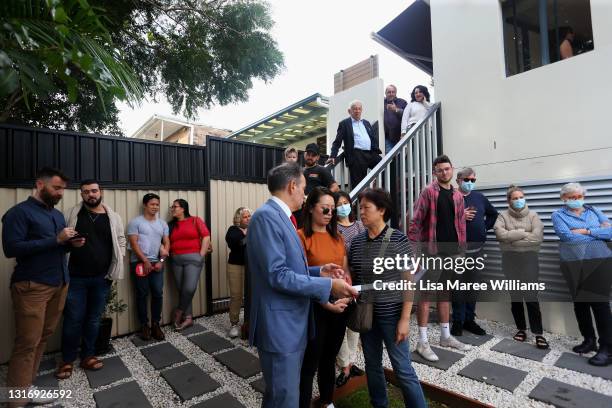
419,147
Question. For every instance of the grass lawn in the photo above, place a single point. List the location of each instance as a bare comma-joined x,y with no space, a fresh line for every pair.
361,398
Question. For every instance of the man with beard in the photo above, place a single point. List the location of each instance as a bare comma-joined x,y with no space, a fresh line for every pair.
35,233
316,175
93,268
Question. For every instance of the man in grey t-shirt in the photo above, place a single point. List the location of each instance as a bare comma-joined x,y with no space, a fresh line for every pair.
150,244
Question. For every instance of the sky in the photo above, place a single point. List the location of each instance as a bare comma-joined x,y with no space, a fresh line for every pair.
318,38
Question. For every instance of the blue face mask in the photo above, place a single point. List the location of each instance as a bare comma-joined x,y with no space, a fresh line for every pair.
344,210
467,186
573,204
519,204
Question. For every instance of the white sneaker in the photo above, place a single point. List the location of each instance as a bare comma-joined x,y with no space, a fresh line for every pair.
40,400
454,343
424,349
234,331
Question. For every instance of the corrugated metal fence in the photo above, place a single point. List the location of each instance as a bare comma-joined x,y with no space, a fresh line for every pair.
543,197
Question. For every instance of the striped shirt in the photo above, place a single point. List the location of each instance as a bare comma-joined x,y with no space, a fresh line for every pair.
361,254
350,232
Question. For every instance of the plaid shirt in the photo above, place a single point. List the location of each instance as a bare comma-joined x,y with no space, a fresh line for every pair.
423,224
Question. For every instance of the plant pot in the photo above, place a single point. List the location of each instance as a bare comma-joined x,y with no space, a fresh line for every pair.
104,335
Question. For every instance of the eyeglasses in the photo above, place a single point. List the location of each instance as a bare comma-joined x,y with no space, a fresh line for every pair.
467,180
175,206
326,210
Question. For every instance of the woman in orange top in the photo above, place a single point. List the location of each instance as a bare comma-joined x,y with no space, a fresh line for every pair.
323,244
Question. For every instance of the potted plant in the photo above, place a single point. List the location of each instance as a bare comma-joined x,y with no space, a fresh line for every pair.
113,305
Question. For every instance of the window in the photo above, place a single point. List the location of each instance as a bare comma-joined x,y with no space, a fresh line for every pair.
539,32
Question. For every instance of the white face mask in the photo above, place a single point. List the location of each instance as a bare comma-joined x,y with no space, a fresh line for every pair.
344,210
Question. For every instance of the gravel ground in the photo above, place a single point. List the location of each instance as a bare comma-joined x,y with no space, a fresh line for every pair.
160,394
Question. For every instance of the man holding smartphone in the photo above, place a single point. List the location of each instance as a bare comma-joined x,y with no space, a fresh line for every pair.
93,267
35,233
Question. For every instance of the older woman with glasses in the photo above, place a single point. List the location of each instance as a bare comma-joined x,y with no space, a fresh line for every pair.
586,263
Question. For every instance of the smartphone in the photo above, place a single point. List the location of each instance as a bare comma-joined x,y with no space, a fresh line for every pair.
79,235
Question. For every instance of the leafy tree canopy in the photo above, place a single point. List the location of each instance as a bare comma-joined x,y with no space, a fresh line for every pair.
196,53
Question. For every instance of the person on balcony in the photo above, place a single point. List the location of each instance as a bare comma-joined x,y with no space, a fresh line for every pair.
349,228
586,262
394,109
520,233
189,243
480,216
236,242
150,246
323,244
93,267
361,150
416,109
437,229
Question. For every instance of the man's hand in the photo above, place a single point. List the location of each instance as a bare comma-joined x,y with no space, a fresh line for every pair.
582,231
331,161
341,289
77,242
65,235
332,271
147,266
470,214
402,331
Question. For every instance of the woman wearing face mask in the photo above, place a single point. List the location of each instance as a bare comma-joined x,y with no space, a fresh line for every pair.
520,233
349,229
586,263
416,109
236,242
322,244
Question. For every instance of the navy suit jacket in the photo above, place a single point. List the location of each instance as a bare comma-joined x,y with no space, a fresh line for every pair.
345,135
281,283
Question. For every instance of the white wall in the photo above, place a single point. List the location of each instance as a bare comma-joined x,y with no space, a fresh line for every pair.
552,122
371,93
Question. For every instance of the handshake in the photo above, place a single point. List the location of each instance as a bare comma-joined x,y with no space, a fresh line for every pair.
341,288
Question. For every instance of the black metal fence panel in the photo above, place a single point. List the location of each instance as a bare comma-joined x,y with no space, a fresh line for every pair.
116,162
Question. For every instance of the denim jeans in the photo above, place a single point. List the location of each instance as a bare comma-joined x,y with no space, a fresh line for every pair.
85,303
464,304
383,330
153,282
187,269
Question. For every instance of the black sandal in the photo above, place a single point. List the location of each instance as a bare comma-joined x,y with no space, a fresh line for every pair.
520,336
541,343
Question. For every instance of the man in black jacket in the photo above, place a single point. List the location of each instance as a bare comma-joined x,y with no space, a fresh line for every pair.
360,144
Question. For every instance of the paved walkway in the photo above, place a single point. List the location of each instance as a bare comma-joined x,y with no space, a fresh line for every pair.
203,368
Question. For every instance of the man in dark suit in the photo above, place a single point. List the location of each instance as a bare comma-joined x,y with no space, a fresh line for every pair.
360,140
282,285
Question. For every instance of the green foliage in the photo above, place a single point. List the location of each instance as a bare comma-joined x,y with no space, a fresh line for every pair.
56,47
196,53
114,304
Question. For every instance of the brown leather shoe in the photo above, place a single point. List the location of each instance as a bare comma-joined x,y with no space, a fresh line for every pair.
156,332
145,332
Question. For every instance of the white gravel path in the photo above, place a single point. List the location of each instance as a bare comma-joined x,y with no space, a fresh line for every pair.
160,394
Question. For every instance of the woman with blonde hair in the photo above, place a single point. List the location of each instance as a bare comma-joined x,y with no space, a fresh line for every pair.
520,233
236,241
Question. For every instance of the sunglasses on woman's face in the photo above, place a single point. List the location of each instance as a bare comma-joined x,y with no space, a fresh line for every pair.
327,210
467,180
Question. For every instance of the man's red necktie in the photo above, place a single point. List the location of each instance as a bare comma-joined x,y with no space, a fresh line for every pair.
293,221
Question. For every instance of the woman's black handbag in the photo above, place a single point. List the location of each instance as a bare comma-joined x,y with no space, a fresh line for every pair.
362,311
